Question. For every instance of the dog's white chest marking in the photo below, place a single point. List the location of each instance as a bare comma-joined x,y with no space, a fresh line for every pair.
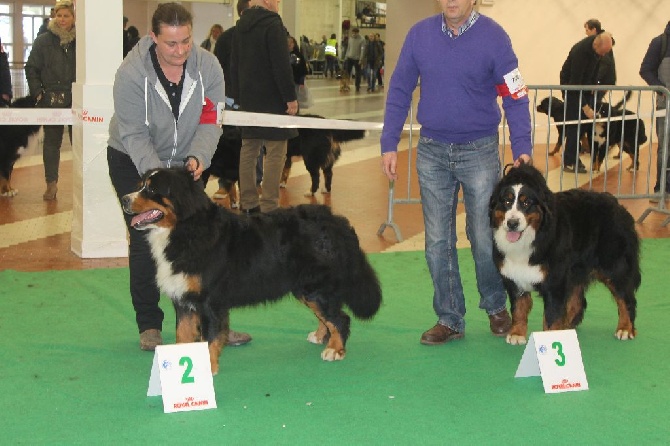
524,275
173,284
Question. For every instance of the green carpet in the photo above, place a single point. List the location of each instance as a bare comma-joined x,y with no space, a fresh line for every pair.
72,372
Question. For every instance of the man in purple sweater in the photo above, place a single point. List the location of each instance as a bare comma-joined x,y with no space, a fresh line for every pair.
464,61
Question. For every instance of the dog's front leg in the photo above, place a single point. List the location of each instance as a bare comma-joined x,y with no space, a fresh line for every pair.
520,306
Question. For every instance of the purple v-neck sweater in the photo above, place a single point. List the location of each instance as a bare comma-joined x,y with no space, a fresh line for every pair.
458,93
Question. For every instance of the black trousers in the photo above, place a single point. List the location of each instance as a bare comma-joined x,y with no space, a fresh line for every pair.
143,289
573,112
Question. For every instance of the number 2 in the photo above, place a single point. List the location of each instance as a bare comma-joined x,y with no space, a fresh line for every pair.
186,378
559,351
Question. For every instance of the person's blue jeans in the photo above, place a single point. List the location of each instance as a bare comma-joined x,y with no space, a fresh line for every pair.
442,170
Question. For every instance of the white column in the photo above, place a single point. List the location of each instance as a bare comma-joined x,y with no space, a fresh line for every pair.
98,228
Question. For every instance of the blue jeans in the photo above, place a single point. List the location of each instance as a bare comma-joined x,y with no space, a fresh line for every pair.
442,169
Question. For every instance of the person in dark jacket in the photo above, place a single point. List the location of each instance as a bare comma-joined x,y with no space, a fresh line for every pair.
298,64
262,82
655,70
50,72
581,68
5,78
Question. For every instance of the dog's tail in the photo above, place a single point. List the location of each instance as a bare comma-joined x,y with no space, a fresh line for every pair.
347,135
366,298
619,105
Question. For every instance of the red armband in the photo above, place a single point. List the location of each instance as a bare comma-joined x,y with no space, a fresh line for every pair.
208,115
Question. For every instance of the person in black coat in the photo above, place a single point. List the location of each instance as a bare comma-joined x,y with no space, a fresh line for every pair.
5,78
581,68
262,82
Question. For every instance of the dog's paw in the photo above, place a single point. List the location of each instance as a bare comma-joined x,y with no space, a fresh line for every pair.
314,338
624,335
9,193
330,354
513,339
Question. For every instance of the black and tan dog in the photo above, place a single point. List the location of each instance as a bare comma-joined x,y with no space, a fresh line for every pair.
210,260
13,142
319,149
557,244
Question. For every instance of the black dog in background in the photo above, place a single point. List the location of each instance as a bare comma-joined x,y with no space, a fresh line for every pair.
320,149
225,163
629,134
555,108
13,141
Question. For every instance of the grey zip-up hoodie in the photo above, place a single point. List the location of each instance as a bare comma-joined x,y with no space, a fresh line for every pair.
143,125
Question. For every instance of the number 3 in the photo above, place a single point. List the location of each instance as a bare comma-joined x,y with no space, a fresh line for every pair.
559,351
186,378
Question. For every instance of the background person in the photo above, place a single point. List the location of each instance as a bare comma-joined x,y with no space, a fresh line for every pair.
581,68
5,77
655,70
210,42
142,134
50,71
352,59
458,148
262,81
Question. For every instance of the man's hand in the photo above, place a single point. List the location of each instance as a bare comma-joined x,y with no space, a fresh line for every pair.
523,159
292,107
588,111
389,163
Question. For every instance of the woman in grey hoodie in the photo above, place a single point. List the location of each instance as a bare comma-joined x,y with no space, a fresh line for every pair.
165,96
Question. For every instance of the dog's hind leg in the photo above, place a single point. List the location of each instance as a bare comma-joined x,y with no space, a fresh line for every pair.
215,328
626,304
188,325
327,179
314,174
337,328
520,307
574,310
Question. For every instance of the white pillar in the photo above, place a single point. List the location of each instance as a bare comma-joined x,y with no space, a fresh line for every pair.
98,228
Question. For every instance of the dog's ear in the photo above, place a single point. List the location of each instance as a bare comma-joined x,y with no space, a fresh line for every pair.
493,204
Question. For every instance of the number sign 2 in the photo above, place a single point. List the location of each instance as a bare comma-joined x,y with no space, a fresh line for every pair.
181,373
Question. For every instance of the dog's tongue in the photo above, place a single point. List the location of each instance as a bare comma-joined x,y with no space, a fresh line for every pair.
148,217
513,236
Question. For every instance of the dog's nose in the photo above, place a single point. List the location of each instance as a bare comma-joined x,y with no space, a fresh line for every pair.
513,224
126,202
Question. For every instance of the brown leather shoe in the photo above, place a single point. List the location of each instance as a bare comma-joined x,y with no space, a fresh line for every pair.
440,334
236,338
150,338
500,323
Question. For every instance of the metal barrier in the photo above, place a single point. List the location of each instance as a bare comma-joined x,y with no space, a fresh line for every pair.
644,113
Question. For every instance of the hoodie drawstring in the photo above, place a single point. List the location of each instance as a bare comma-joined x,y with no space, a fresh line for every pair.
146,103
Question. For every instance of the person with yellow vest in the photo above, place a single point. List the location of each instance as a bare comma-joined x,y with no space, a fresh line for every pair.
331,56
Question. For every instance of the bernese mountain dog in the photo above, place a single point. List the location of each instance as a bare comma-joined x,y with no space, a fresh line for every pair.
557,244
210,260
319,149
13,142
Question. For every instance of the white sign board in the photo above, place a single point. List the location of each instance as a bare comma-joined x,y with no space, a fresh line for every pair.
556,356
183,375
